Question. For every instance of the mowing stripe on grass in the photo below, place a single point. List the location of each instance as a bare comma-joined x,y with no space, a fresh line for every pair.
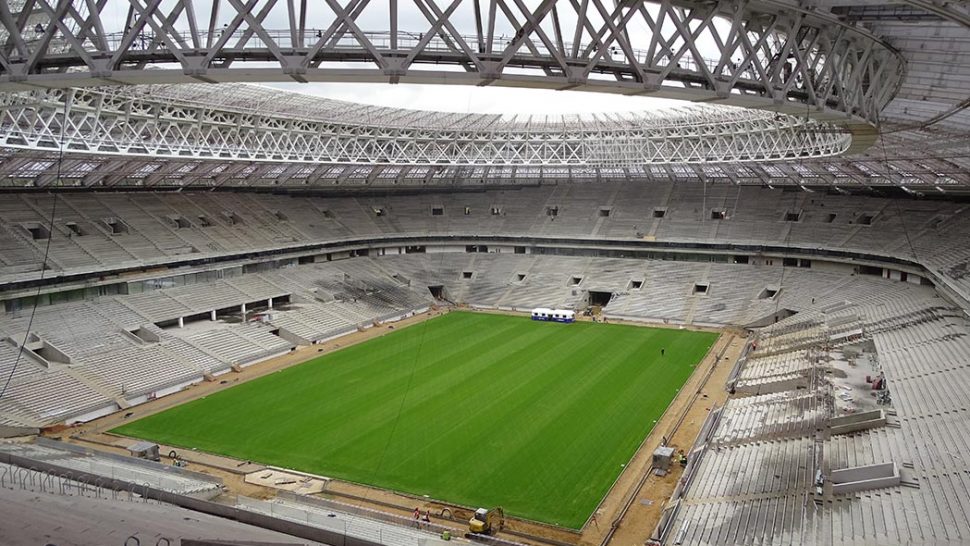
471,408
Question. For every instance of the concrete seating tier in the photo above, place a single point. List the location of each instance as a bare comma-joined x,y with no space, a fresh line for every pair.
773,466
138,370
153,227
770,416
50,397
914,339
16,362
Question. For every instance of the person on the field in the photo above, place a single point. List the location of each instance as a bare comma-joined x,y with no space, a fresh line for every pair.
662,351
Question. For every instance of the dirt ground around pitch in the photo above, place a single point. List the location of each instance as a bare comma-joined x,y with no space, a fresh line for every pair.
626,516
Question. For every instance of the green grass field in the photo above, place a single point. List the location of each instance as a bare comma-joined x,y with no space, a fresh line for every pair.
471,408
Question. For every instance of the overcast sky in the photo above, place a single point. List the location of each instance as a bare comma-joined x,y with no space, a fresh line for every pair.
375,17
486,100
490,100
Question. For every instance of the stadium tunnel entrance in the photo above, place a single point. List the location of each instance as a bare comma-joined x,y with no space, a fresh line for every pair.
599,298
438,292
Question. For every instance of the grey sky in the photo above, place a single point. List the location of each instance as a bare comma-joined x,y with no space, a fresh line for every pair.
486,100
375,18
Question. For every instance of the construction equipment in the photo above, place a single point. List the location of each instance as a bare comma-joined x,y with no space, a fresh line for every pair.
487,522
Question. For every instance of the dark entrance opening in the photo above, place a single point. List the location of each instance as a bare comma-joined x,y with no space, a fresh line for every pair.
437,291
38,232
115,226
599,299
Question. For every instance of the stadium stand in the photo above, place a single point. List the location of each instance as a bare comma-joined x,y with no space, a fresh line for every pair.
904,451
317,301
157,232
928,235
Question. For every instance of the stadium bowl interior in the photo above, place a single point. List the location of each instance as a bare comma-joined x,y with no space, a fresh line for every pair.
737,318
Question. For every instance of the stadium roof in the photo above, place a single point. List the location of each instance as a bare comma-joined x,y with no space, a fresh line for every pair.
821,78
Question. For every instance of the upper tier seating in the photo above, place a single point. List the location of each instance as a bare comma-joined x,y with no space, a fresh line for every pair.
96,231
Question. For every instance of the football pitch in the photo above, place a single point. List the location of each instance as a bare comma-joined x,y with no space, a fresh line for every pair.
470,408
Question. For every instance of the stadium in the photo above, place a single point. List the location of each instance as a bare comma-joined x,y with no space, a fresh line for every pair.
724,298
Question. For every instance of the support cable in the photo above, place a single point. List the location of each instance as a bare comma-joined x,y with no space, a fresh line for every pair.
47,250
899,212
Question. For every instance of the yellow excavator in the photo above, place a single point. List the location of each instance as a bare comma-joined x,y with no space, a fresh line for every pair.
487,522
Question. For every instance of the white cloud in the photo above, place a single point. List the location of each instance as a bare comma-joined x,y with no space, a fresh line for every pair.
486,100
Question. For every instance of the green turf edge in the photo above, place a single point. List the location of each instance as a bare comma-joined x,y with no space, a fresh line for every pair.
575,520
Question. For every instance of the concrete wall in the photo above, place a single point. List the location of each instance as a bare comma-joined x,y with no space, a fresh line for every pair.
858,421
862,478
